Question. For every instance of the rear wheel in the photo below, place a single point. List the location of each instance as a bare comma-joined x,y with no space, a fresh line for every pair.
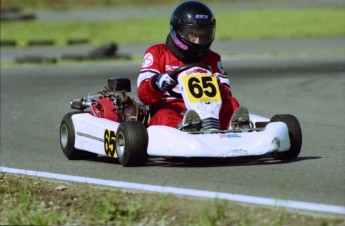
295,135
131,143
67,139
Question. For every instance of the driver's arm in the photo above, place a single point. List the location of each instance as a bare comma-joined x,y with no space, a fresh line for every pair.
147,93
153,81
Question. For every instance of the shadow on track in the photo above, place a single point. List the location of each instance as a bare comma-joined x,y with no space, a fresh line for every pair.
221,162
207,162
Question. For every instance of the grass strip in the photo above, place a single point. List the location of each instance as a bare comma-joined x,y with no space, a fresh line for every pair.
231,25
33,201
80,4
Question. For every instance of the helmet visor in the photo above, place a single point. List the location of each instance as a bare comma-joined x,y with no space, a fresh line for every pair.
197,34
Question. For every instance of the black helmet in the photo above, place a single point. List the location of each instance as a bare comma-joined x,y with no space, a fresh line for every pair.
192,30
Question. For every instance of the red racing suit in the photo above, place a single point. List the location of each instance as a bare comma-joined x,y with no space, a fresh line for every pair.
159,59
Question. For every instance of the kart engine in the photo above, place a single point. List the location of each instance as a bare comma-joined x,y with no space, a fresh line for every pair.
113,103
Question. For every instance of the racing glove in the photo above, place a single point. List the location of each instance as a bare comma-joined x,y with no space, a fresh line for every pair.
222,79
164,82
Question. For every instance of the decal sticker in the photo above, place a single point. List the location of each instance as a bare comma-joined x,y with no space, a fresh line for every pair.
196,70
200,16
201,88
203,110
109,143
147,60
230,135
169,68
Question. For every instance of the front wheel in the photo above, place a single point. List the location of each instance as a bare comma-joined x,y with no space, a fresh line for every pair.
67,139
295,135
131,143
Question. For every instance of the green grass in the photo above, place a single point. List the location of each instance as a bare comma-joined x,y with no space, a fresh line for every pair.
281,23
77,4
34,201
231,25
100,32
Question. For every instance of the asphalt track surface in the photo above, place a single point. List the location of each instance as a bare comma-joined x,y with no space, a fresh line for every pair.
34,99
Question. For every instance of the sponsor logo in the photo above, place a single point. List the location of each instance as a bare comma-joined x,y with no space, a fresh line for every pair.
170,68
200,16
147,60
230,135
196,70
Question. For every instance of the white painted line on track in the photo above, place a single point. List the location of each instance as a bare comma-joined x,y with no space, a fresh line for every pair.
184,191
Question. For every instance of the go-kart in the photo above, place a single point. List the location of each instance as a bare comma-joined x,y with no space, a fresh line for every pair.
117,126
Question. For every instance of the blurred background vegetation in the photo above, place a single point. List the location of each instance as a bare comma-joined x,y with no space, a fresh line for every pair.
232,24
70,4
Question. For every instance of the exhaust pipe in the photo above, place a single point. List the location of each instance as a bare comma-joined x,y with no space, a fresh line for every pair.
80,104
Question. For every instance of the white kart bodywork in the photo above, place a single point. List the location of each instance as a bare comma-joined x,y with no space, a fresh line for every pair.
118,127
89,132
166,141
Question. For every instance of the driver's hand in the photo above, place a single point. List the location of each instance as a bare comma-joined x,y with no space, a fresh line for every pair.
164,82
217,77
222,79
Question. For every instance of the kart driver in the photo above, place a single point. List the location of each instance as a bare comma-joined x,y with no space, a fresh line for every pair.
192,31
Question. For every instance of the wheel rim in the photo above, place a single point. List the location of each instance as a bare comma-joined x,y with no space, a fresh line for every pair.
64,136
120,144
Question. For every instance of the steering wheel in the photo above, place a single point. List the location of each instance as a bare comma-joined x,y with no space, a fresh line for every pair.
178,70
185,67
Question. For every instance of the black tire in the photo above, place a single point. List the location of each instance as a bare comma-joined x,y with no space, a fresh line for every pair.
78,57
131,143
295,135
67,139
41,43
77,41
8,43
35,59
